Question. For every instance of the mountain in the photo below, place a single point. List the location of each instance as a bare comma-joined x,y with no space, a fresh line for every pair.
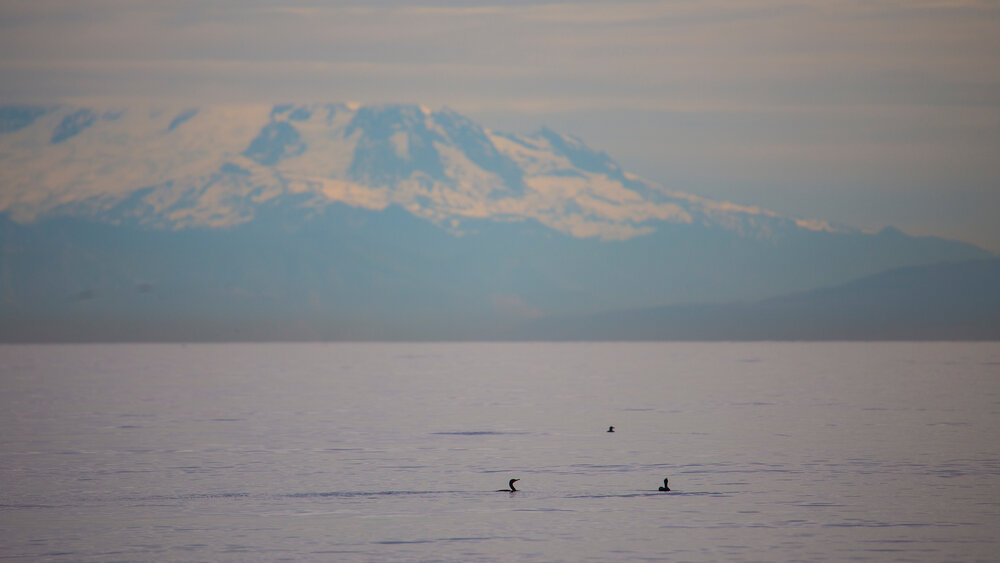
215,166
342,221
949,301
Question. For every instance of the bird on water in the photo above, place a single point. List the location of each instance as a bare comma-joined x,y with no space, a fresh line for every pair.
511,489
665,487
611,428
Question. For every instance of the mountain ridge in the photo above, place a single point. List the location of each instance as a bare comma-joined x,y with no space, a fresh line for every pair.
195,166
943,301
343,221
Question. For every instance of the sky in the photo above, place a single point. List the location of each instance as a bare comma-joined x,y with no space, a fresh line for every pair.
868,113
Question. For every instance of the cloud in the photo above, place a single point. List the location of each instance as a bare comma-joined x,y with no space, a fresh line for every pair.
538,57
740,54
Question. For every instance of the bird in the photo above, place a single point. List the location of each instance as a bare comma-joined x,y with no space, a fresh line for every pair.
511,489
665,487
611,428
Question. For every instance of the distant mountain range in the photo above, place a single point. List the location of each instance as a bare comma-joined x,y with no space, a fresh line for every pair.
371,222
951,301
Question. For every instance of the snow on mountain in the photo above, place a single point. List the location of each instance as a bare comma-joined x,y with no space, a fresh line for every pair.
332,222
213,166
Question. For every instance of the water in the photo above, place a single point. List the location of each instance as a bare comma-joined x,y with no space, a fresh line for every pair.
392,452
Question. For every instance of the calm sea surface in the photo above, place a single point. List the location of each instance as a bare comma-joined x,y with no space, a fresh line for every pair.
393,452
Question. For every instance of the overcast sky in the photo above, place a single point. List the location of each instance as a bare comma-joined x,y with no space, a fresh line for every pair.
863,112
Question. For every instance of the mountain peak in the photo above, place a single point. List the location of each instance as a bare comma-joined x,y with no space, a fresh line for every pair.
212,166
350,221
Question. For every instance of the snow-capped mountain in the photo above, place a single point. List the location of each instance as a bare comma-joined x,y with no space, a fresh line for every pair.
367,222
213,166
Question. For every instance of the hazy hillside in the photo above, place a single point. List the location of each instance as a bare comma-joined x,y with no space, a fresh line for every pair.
950,301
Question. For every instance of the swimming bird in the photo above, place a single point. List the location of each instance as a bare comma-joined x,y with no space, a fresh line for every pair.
611,428
665,487
511,489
